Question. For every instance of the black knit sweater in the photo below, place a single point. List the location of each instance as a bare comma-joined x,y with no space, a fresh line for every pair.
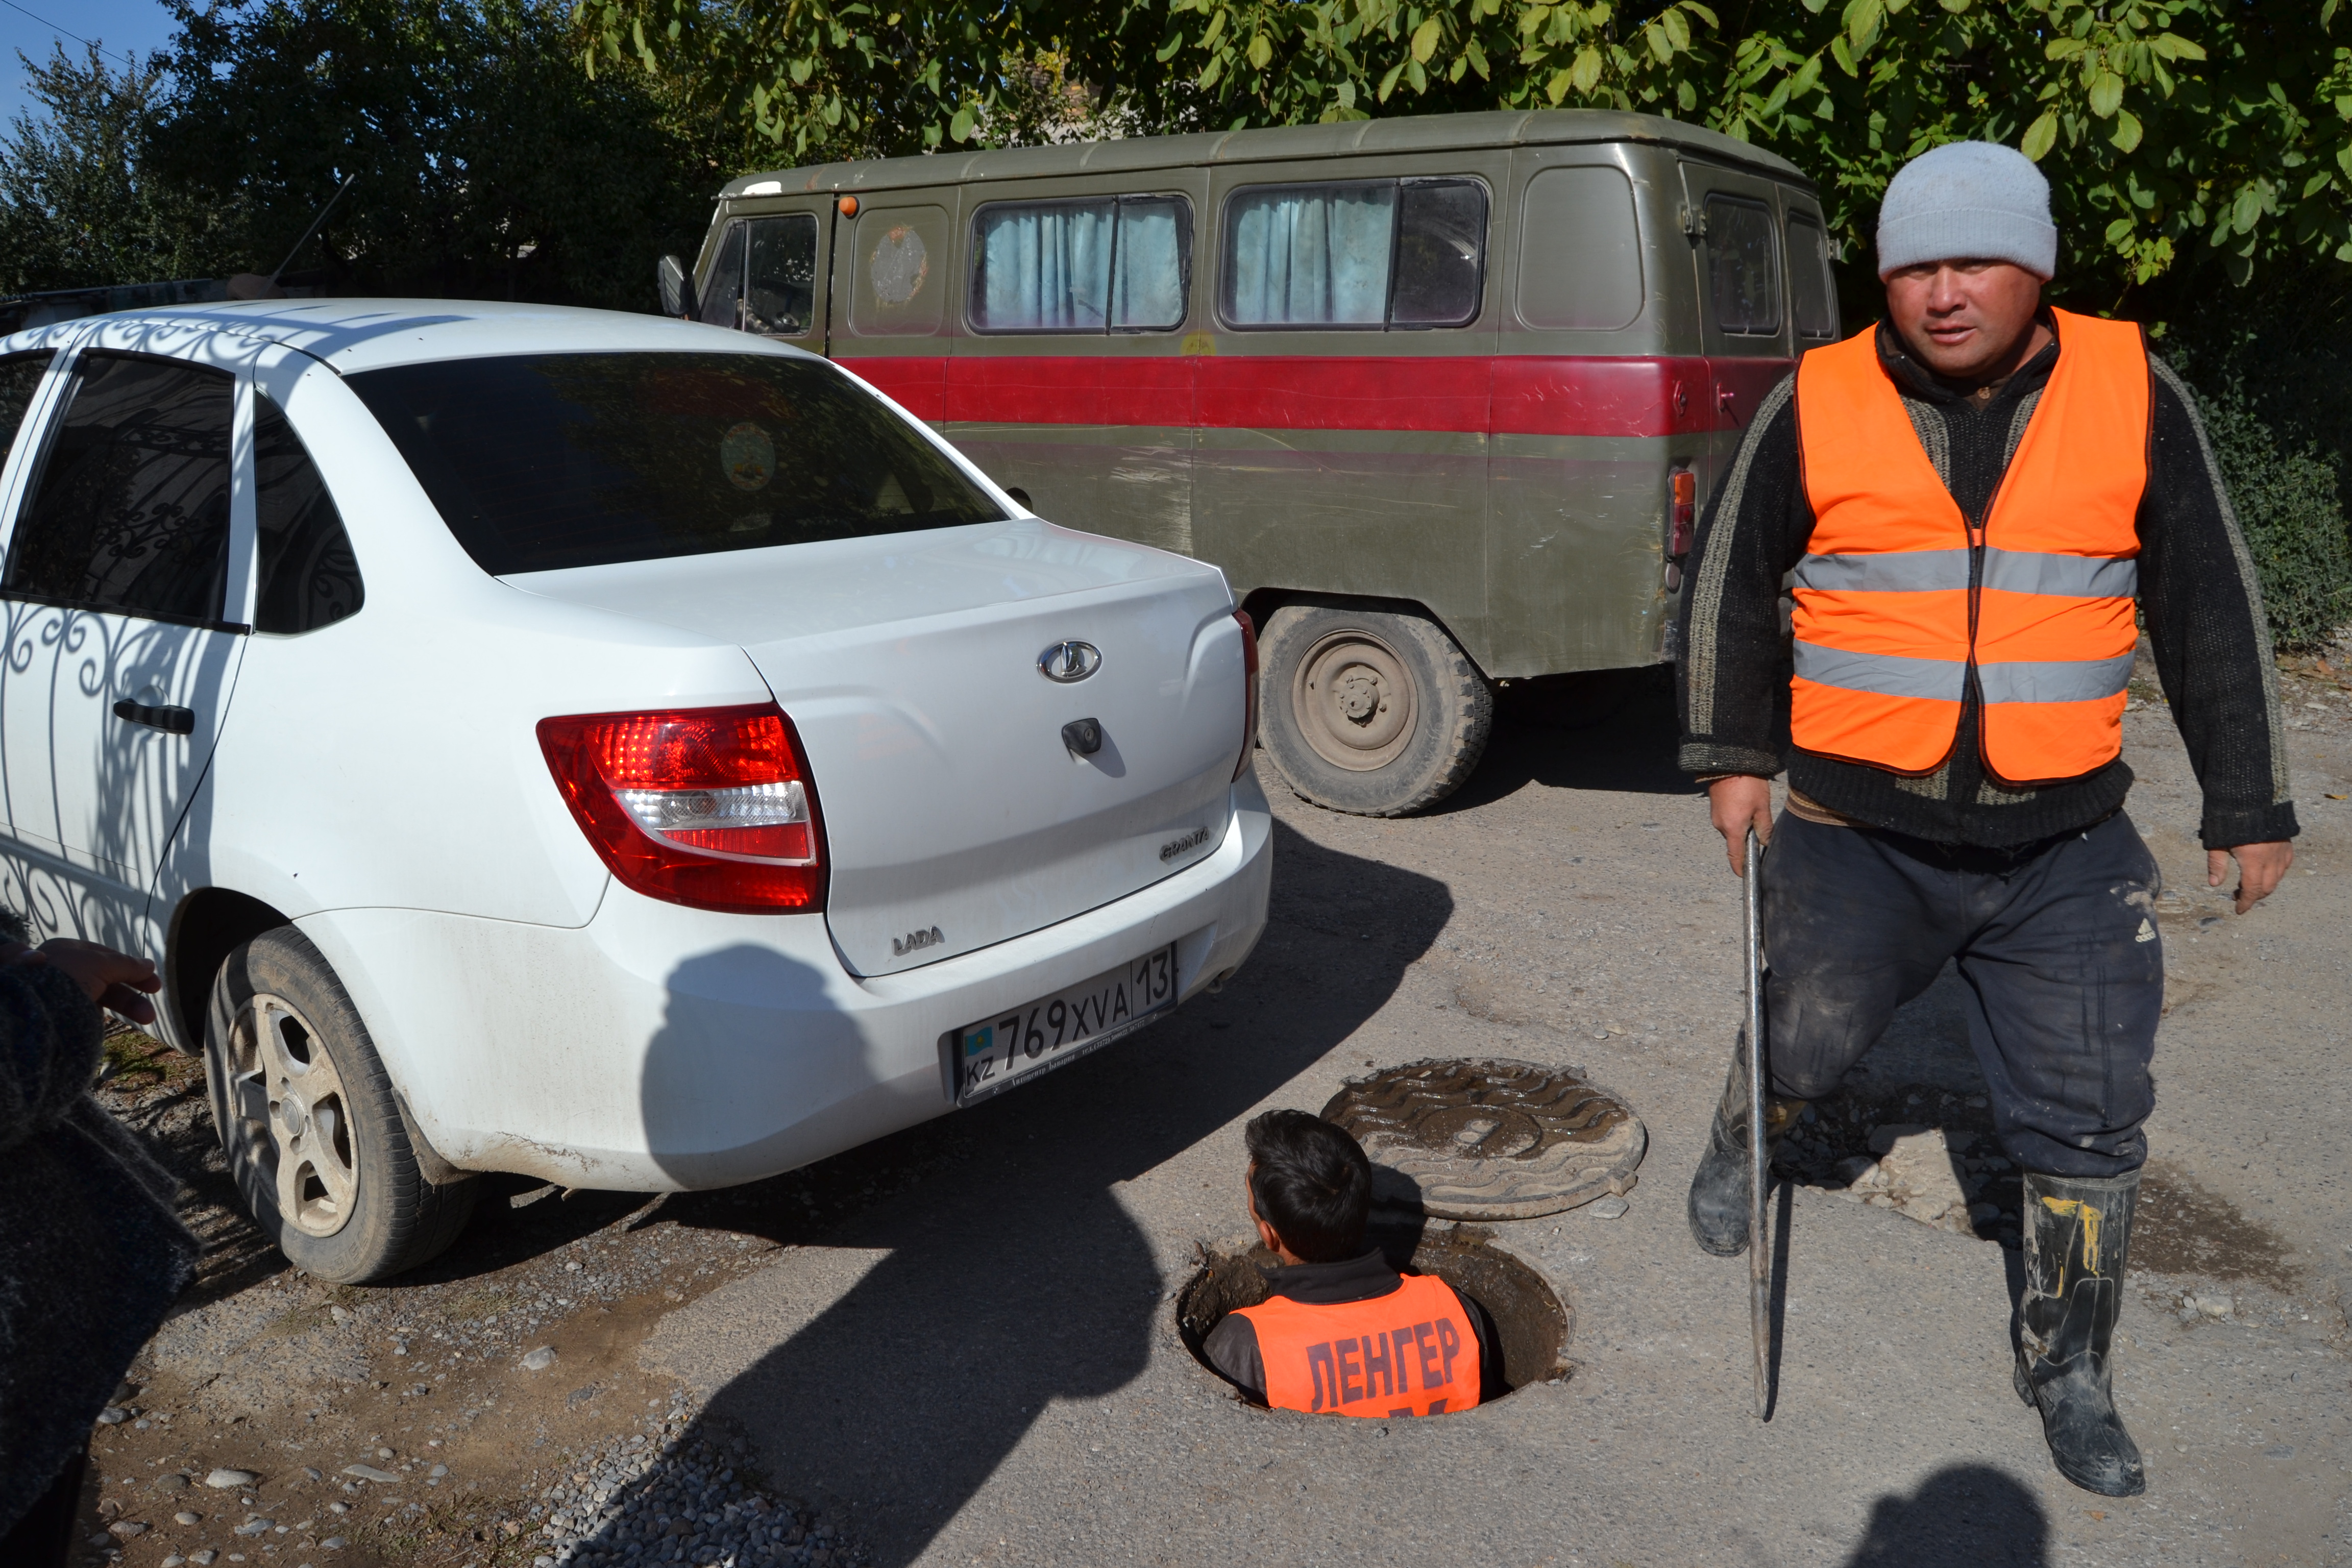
2197,593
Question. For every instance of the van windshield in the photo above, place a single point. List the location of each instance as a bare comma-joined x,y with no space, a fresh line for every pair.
541,461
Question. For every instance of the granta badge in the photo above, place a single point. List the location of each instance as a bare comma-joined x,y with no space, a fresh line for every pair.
1069,661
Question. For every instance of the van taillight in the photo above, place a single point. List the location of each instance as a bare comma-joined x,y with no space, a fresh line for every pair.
1685,517
1249,683
711,807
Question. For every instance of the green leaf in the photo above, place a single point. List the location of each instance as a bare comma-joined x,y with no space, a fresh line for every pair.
1215,30
2328,12
1704,15
1955,7
1557,88
1347,94
2119,231
2126,133
1685,96
1662,48
1456,71
2107,93
2173,47
1862,18
1477,60
1260,51
1585,74
1425,41
961,126
2040,137
1677,30
1388,82
1843,56
1415,75
2245,210
1167,50
1808,76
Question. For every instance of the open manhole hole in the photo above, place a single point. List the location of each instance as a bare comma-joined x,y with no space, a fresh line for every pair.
1487,1140
1532,1324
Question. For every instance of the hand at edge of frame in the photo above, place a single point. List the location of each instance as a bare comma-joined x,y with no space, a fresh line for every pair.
115,981
2261,868
1736,802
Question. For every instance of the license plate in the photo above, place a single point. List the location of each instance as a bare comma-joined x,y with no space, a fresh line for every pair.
1024,1041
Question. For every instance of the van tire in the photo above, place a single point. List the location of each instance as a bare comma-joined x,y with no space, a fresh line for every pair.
366,1210
1369,711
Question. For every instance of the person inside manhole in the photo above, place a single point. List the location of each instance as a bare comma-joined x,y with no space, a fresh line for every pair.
1973,498
1343,1333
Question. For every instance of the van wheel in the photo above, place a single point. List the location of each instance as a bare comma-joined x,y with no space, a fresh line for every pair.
1370,713
313,1132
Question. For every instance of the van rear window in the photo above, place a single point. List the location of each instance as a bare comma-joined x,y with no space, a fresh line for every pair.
1365,253
1119,265
539,461
1743,266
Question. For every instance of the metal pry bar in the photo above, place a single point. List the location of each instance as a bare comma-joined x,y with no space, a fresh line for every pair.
1759,1253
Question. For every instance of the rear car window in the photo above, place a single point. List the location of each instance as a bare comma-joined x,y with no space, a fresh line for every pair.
131,511
1366,254
1095,265
1810,279
541,461
1743,266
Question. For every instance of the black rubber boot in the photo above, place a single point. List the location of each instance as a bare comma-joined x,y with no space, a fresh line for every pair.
2077,1238
1719,1192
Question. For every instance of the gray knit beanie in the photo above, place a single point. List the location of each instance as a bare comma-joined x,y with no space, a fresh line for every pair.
1968,200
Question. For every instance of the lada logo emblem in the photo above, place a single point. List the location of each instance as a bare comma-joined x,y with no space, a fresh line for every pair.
900,946
1069,661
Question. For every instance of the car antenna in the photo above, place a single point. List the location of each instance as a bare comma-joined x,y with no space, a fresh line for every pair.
315,222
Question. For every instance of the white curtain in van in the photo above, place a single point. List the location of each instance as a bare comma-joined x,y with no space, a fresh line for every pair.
1045,269
1309,255
1150,288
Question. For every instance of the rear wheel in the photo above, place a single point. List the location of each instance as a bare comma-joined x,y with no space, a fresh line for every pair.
314,1135
1370,712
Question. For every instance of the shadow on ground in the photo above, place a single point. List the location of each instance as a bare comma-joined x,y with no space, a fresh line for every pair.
1964,1516
1015,1277
1606,730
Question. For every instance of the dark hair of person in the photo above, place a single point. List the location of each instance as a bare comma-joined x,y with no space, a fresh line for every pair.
1311,1182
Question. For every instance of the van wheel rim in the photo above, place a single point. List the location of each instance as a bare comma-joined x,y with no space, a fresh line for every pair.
1355,702
293,1115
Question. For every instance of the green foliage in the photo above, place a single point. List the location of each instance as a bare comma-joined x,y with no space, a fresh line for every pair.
2293,516
77,203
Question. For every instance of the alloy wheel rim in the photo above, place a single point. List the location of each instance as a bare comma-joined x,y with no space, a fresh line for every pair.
1355,702
294,1115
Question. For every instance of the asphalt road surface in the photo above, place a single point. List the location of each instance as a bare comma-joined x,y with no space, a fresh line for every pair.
958,1346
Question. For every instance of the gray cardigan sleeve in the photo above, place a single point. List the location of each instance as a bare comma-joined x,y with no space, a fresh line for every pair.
49,1035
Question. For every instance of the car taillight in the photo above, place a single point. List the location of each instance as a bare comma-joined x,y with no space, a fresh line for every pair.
711,807
1249,681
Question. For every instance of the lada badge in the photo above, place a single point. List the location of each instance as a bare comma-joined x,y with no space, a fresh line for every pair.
1069,661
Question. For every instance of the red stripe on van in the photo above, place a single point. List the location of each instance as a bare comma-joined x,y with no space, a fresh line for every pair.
1518,394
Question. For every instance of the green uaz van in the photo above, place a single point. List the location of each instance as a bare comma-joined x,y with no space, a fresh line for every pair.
1441,396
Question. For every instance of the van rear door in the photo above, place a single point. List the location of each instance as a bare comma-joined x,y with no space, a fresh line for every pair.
1743,296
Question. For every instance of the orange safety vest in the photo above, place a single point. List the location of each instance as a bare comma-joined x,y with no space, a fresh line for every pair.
1887,625
1408,1352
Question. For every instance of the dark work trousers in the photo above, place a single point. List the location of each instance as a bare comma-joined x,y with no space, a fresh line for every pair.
2056,946
44,1537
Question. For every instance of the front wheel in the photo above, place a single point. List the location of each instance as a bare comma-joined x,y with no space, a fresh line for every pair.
1370,712
308,1119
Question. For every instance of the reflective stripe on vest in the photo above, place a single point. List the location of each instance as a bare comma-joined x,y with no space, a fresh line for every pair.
1408,1352
1886,624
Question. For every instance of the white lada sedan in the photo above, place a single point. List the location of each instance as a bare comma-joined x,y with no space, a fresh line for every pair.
592,746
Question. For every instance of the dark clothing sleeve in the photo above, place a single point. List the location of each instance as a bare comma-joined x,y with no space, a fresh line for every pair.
1232,1349
92,1254
2198,593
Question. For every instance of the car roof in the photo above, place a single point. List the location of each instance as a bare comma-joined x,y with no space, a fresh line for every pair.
1403,133
370,334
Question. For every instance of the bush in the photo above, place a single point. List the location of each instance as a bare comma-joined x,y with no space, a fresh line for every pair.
2293,517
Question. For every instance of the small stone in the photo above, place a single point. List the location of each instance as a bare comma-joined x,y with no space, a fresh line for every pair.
204,1559
125,1529
333,1543
1608,1209
229,1480
370,1473
385,1454
254,1527
176,1482
113,1416
2216,1305
185,1517
438,1470
314,1472
540,1360
173,1561
2279,1451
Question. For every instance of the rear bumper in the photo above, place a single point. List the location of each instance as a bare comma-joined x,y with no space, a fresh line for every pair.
661,1048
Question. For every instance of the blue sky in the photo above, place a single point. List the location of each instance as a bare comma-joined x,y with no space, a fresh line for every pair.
135,27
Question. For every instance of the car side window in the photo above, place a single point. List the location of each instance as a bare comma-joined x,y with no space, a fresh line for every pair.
1117,264
130,508
780,275
1743,266
1810,279
722,289
309,576
20,377
1368,255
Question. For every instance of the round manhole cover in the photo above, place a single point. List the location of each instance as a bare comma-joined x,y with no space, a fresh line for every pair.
1490,1139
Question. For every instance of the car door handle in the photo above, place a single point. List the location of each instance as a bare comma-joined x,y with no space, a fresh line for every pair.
170,720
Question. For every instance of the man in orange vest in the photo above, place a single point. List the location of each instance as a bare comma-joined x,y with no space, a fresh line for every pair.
1970,498
1343,1333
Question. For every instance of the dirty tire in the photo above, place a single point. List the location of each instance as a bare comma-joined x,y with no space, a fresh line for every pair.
1368,712
355,1204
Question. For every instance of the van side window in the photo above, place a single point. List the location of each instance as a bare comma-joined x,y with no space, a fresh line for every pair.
722,289
131,511
20,377
308,577
1809,279
1091,265
780,275
1368,254
1580,251
1743,266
